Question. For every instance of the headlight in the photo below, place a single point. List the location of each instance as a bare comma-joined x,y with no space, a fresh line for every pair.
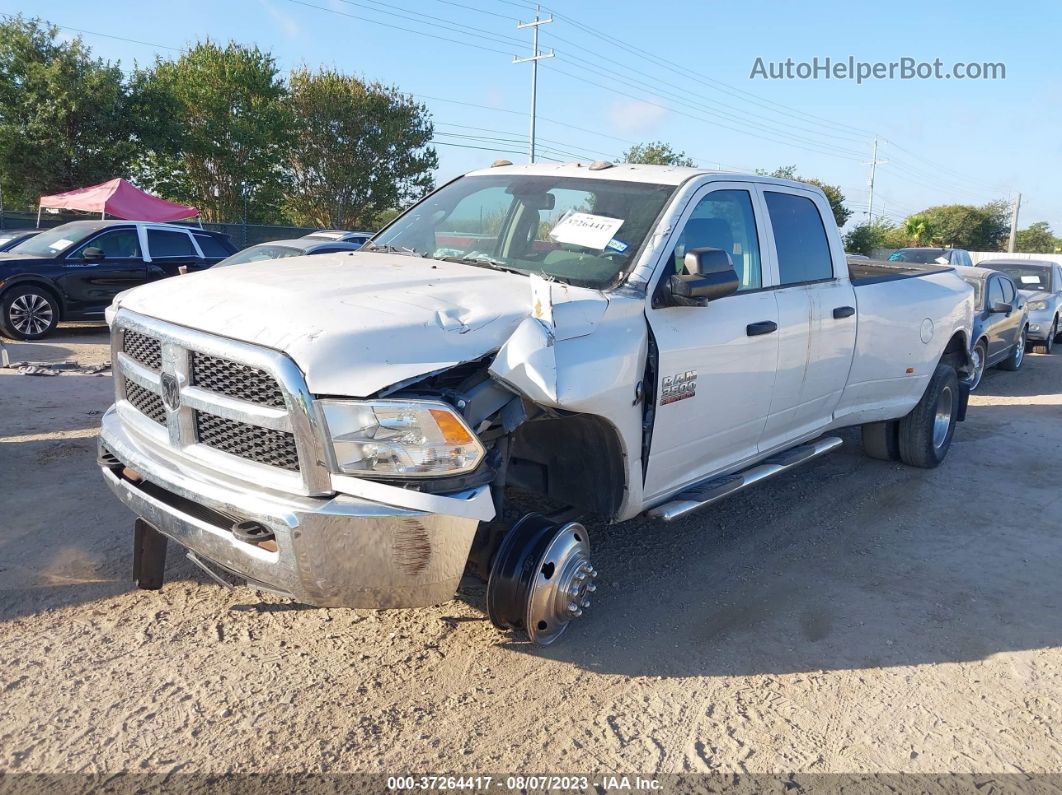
399,438
1037,306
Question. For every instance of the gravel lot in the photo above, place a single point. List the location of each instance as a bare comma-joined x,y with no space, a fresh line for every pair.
853,616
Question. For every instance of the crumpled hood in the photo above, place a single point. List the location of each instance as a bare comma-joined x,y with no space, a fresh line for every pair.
1034,295
356,323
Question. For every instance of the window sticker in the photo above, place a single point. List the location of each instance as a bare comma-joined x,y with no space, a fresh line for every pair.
60,244
617,245
585,229
1030,279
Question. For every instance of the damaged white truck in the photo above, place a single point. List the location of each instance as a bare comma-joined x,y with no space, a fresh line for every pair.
608,339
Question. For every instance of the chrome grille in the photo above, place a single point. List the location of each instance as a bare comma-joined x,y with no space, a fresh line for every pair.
236,380
262,445
241,409
147,403
144,349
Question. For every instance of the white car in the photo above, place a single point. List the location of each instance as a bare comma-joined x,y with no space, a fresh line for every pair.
618,339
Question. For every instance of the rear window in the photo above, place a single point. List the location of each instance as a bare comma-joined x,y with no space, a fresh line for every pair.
163,243
212,247
799,238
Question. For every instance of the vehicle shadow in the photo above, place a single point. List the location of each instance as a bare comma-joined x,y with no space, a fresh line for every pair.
1032,380
848,563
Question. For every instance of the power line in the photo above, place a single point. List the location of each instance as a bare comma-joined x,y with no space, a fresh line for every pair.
106,35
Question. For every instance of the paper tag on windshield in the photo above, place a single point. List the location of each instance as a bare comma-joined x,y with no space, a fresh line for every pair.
584,229
1030,279
60,244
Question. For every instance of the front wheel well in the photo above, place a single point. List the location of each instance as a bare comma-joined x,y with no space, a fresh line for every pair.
957,353
43,286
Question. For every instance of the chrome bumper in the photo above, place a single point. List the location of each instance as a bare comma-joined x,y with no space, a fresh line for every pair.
330,552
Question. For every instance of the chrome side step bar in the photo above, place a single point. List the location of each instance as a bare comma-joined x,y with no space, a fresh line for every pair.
702,494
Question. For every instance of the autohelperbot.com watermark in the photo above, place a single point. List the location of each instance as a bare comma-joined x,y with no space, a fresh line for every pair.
850,68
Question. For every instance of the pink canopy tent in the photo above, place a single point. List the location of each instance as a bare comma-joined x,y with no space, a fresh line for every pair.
119,198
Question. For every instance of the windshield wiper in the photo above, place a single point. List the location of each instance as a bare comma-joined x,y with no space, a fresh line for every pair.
484,262
389,249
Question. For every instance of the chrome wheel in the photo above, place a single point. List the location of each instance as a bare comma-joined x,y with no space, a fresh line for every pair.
1019,349
977,359
30,314
942,417
541,578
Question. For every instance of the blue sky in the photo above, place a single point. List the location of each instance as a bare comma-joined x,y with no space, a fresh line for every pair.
680,72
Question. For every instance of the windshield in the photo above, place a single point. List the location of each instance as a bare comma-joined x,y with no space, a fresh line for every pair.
920,255
1027,277
977,284
580,230
260,252
50,242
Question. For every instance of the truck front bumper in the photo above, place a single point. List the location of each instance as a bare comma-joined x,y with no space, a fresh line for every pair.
336,551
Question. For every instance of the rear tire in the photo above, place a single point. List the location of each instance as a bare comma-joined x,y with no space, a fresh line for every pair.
28,313
881,440
926,433
1017,355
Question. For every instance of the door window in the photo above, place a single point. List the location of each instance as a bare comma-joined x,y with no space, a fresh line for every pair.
995,291
212,247
724,219
799,238
163,243
1008,291
116,244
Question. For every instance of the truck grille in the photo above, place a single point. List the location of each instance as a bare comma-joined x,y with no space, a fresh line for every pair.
263,445
236,380
145,349
147,403
268,437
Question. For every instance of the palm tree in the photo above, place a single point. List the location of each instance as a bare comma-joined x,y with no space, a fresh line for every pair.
918,230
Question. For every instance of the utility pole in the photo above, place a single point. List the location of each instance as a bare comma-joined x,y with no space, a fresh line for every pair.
874,163
1014,225
535,57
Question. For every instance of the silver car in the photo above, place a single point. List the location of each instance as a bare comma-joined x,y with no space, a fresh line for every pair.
1040,284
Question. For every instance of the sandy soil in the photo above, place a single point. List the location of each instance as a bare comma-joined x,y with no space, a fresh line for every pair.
852,616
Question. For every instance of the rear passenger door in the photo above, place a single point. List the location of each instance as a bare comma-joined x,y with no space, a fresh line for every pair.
170,249
816,315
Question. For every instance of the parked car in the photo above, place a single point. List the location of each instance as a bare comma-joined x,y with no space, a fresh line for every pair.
1040,283
74,271
280,249
1000,325
340,234
856,256
611,340
942,256
12,237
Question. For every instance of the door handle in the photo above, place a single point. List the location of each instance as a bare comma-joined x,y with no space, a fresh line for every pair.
763,327
843,311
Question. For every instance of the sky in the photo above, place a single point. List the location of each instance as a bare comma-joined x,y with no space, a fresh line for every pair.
678,71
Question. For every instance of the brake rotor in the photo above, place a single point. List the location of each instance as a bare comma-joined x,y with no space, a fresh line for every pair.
541,578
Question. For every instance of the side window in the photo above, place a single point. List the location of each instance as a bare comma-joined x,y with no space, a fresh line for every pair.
966,260
724,219
995,290
1008,290
163,243
799,238
117,244
212,248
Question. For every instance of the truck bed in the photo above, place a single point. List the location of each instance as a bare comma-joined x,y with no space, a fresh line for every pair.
870,271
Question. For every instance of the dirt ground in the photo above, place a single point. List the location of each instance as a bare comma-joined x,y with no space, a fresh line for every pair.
853,616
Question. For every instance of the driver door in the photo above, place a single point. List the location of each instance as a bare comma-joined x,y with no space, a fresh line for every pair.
717,362
91,285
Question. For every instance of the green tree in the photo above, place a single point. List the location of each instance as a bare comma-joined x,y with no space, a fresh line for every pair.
64,121
359,150
867,236
919,230
1037,239
217,132
834,195
965,226
656,153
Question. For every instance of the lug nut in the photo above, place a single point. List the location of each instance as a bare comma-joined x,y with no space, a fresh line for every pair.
577,612
573,607
590,588
586,603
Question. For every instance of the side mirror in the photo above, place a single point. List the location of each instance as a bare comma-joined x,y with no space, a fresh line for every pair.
92,254
711,275
1000,308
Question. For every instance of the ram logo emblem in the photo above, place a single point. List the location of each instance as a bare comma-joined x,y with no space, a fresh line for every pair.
678,387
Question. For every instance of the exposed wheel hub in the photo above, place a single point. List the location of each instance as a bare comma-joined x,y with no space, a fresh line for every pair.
541,578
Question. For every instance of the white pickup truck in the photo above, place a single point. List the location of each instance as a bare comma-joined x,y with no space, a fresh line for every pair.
610,339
